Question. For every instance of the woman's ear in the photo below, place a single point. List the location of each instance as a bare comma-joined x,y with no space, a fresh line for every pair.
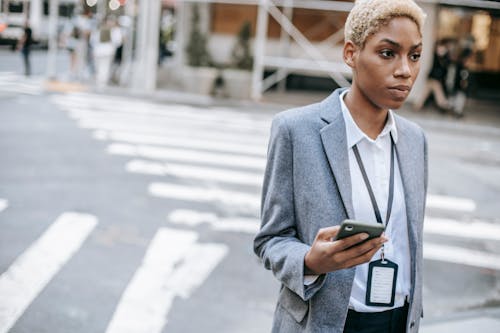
350,53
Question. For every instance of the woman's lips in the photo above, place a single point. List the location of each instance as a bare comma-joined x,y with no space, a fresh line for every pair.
399,92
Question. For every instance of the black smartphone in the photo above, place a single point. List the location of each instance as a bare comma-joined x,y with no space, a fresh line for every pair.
352,227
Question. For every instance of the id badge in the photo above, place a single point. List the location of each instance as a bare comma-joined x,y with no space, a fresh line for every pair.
381,284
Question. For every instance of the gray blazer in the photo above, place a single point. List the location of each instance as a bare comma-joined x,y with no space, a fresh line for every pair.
307,186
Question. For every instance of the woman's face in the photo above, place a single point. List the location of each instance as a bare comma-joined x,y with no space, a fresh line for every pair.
386,68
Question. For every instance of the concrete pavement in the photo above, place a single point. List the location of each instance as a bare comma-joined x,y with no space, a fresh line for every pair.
481,117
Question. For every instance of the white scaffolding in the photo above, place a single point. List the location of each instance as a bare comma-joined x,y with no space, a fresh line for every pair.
315,61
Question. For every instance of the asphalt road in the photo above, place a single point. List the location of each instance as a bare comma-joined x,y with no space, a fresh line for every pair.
117,212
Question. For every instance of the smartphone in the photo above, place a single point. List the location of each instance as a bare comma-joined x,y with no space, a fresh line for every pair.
352,227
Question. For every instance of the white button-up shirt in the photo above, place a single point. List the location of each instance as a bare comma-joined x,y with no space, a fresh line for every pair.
376,157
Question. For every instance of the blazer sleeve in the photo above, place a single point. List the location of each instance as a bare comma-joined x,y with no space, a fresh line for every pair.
277,243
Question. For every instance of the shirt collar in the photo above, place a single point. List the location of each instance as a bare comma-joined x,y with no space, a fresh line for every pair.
355,134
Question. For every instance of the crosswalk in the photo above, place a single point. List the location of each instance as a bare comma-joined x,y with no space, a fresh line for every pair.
174,265
31,272
149,296
216,156
14,83
211,161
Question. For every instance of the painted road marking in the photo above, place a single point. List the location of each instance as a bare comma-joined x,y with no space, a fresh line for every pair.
234,198
13,82
95,106
3,204
33,270
478,230
173,130
191,172
461,256
174,265
180,119
198,144
239,200
450,203
190,156
193,218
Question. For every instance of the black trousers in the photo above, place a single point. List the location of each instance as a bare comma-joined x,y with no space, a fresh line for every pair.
391,321
27,63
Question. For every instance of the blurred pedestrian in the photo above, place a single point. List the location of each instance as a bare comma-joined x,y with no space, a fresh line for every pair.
75,44
461,82
24,46
323,160
89,25
104,51
435,83
117,38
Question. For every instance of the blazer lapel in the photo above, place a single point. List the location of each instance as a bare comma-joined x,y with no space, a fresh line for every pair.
334,139
407,165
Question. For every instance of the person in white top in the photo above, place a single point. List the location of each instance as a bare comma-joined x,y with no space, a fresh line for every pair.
351,157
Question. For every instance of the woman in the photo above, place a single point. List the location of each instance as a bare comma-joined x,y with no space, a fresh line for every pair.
351,157
24,45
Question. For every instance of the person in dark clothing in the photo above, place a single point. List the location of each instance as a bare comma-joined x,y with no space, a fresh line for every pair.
436,81
461,82
24,46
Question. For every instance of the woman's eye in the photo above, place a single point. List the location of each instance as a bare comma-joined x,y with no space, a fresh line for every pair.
386,53
415,57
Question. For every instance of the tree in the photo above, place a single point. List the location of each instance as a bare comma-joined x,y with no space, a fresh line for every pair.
197,51
242,55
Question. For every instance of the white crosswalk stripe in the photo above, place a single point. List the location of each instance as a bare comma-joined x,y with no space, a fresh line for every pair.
197,144
183,155
34,269
174,265
93,114
191,172
217,148
241,200
3,204
450,203
235,224
461,256
87,104
172,130
477,230
17,83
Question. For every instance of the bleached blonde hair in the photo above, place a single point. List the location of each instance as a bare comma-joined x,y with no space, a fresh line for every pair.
368,16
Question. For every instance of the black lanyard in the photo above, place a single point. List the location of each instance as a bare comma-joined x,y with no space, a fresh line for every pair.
369,187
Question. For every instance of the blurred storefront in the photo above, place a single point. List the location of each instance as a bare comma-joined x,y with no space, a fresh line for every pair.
470,23
294,44
479,29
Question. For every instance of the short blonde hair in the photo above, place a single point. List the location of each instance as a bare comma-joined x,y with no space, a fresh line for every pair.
368,16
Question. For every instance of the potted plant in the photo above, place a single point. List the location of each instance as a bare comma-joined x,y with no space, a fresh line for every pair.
199,75
238,76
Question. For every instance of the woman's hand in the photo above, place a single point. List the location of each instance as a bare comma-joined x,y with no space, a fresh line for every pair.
327,255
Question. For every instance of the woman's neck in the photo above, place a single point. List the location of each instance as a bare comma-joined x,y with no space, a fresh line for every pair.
370,118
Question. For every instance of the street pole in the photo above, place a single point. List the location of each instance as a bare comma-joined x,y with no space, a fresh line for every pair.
260,49
128,43
180,34
285,43
35,11
52,53
148,33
